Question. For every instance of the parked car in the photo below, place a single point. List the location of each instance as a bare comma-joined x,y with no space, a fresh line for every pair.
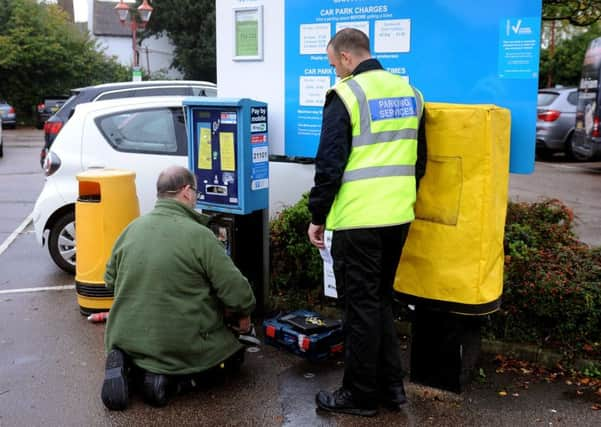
556,118
8,114
47,108
144,135
120,90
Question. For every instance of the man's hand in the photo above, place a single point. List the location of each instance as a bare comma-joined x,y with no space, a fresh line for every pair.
244,325
315,233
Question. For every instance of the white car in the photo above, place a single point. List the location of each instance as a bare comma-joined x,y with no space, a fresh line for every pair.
144,135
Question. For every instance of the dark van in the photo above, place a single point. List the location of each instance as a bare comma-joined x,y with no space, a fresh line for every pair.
587,134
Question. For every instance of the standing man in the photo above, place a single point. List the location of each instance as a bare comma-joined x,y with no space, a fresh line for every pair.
366,172
174,284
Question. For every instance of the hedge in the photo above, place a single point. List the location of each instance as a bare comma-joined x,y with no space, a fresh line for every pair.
552,281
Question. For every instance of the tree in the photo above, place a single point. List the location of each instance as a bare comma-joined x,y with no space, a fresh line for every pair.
42,53
190,24
577,12
565,63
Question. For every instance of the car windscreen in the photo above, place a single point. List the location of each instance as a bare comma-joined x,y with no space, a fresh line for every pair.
546,98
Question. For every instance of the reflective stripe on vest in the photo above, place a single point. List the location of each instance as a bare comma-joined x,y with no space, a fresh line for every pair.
378,184
366,137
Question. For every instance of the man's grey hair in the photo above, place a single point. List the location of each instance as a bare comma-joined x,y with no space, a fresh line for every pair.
172,180
350,40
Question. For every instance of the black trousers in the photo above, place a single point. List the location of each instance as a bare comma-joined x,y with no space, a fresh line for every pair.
365,262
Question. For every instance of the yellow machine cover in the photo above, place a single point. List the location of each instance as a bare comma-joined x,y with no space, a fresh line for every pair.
453,258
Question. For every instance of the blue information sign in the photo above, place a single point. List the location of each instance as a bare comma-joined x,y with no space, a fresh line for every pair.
464,51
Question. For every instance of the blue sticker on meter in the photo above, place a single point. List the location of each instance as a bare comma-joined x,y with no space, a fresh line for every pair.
392,108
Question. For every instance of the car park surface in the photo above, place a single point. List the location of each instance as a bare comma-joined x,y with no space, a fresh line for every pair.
556,118
52,358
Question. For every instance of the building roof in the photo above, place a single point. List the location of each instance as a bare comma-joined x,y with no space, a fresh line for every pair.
106,21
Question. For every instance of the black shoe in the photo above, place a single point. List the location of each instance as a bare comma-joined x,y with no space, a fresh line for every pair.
342,401
156,389
393,397
115,389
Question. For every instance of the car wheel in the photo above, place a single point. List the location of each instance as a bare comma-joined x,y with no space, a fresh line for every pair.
571,153
61,242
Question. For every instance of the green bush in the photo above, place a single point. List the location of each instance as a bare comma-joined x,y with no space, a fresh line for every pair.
296,266
552,282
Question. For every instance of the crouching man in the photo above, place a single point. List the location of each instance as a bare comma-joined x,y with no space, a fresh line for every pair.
173,284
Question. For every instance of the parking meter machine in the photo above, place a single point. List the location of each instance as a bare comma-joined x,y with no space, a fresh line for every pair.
229,154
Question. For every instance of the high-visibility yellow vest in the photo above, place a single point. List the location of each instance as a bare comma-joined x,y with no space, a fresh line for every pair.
378,184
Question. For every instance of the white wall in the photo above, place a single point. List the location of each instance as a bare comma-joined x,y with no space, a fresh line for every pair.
160,53
263,81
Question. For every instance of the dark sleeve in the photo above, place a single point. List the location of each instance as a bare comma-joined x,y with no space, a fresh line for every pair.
332,155
422,150
230,286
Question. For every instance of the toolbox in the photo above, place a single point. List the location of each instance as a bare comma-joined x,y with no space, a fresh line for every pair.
305,333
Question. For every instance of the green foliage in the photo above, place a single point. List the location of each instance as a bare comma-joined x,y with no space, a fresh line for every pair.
565,65
42,53
552,284
190,24
296,266
577,12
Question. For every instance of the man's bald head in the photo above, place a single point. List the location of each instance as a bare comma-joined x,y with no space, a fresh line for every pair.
172,180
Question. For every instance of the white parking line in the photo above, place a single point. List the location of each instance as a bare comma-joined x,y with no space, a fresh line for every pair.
4,246
582,167
47,288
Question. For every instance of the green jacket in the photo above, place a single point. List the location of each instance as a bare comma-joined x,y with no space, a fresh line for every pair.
172,280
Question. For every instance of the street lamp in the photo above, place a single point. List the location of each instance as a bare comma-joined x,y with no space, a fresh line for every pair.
144,12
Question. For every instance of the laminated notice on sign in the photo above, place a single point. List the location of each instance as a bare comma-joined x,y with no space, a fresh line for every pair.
228,158
329,281
204,148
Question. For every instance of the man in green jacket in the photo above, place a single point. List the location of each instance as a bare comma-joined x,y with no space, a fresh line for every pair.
173,285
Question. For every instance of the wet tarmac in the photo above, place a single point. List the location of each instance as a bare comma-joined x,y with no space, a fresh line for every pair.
52,358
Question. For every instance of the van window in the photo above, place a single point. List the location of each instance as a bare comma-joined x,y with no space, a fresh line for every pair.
587,111
152,131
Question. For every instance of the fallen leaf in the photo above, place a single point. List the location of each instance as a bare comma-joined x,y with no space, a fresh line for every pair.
585,381
503,393
516,394
579,392
596,407
568,382
598,392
